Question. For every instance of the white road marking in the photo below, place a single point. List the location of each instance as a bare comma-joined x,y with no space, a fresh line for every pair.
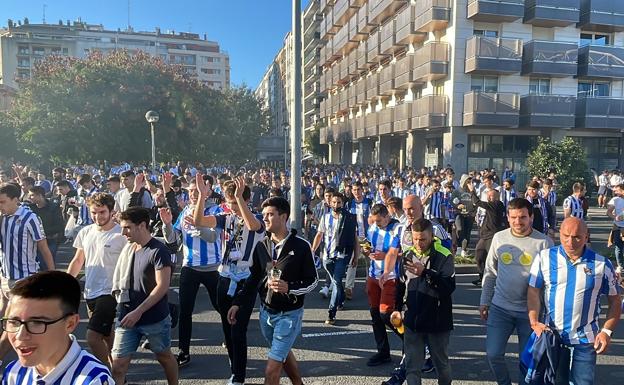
332,334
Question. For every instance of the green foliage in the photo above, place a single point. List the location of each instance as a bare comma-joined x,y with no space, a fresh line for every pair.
312,143
566,159
82,110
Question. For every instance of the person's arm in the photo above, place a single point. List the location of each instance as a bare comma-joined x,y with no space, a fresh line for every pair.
490,274
76,263
252,283
611,211
200,219
317,241
46,254
613,316
442,280
356,251
534,306
252,223
308,278
163,279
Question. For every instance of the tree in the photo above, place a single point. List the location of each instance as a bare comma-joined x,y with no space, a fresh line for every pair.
567,159
313,143
82,110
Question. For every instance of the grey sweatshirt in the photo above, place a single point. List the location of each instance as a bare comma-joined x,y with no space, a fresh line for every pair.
506,276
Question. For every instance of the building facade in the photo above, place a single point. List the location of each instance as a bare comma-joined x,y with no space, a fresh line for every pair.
470,83
6,97
21,45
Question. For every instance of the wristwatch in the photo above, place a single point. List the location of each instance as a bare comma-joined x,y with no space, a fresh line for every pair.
607,331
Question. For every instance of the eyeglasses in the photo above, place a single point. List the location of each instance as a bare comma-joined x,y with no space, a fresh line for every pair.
12,325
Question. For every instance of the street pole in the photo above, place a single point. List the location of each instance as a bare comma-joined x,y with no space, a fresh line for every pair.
285,147
296,121
153,150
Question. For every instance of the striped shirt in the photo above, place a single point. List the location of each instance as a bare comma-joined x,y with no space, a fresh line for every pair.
196,251
551,198
572,291
438,232
400,192
238,243
361,211
436,206
330,228
383,240
19,234
84,217
78,367
506,196
575,205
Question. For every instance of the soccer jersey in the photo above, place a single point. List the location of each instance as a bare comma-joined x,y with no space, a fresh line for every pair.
572,291
84,217
361,211
435,208
238,243
575,205
196,251
329,226
383,240
19,234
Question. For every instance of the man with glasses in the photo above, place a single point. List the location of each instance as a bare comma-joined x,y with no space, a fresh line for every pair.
43,312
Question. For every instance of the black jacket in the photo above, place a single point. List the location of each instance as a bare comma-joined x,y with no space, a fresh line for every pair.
155,221
297,265
494,220
51,219
429,302
348,231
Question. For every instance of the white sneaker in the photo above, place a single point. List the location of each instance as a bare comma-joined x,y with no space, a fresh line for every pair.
459,252
324,292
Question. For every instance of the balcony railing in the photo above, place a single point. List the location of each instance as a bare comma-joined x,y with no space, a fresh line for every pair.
371,124
602,15
601,61
551,13
434,15
362,56
364,24
343,9
491,109
352,95
374,51
403,72
495,11
431,62
323,135
489,55
555,111
429,112
549,58
372,86
406,31
386,80
403,117
360,127
600,113
386,121
380,10
360,91
388,43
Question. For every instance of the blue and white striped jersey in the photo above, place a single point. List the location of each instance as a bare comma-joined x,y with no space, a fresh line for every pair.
361,211
383,240
19,234
575,205
572,291
196,251
506,196
435,208
238,243
420,190
438,232
78,367
84,217
551,198
400,192
329,226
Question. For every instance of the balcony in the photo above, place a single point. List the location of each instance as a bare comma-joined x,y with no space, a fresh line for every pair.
354,30
371,124
551,13
335,103
360,127
324,5
549,59
386,121
364,24
381,10
362,56
495,11
341,132
335,75
403,72
555,111
343,9
431,62
323,113
601,61
343,96
386,80
372,86
388,38
323,135
360,91
491,109
374,51
341,39
429,112
403,117
489,55
352,60
600,112
602,15
434,15
406,31
344,70
352,95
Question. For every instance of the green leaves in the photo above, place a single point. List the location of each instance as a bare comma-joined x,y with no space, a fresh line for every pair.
82,110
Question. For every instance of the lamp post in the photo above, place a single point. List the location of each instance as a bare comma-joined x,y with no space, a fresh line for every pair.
152,118
285,126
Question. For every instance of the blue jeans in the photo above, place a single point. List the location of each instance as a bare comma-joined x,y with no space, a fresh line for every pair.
500,324
576,365
280,330
127,340
336,269
618,246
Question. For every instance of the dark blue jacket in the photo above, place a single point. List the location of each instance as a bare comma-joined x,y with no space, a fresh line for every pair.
540,358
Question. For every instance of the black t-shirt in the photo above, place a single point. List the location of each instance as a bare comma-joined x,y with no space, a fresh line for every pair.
151,257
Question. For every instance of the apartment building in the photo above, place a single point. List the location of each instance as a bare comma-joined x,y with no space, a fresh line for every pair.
22,44
470,83
311,70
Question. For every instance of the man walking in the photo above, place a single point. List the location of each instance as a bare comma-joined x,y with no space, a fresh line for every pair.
503,298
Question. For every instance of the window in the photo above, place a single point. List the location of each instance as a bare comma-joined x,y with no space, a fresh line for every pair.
23,62
592,88
485,32
594,38
438,87
484,83
23,50
501,144
65,51
539,86
38,51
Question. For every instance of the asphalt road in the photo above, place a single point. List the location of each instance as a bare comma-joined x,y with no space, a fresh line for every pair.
337,354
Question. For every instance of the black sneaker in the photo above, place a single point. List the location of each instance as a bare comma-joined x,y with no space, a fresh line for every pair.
477,282
183,359
379,359
393,380
428,366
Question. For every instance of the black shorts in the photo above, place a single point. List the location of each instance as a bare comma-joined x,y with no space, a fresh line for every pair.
102,311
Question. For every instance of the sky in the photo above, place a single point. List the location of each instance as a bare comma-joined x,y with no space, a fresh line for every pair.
250,31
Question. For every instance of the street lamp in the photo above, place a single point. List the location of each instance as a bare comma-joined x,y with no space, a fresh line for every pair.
152,118
285,126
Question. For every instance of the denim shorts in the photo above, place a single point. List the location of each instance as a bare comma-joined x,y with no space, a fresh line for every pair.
127,340
280,330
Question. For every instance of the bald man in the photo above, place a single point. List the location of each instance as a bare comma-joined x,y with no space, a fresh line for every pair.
570,279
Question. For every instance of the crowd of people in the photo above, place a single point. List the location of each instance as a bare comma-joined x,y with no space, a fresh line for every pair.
227,228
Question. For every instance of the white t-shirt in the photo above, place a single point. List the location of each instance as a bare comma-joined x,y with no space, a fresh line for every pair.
618,204
101,249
